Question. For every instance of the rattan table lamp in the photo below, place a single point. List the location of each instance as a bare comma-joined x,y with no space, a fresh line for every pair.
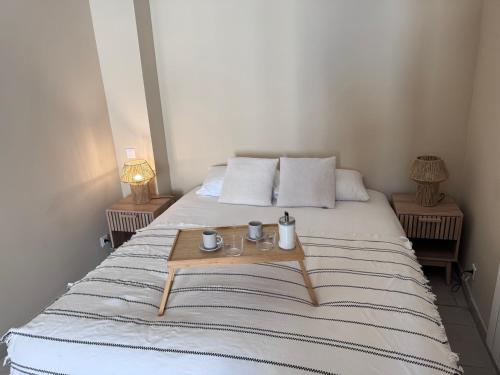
138,173
428,172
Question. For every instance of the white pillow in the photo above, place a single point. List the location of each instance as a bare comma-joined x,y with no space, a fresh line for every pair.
276,186
349,186
212,185
307,182
249,181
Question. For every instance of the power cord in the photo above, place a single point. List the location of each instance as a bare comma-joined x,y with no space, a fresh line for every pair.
459,279
467,274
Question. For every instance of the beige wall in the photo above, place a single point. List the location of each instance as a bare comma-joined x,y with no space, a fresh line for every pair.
374,82
481,195
56,150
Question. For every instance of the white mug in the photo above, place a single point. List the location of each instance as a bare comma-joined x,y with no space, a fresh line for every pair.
211,239
255,230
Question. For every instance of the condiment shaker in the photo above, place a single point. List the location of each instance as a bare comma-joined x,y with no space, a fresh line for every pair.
287,232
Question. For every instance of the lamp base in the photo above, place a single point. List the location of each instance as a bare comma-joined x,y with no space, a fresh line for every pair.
427,194
140,193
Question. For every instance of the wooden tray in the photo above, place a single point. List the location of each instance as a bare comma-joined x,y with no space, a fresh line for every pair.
186,253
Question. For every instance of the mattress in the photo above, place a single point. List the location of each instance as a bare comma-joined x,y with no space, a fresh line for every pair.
376,312
374,218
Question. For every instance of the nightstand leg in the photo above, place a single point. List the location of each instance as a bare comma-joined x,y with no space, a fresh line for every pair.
166,290
309,286
448,273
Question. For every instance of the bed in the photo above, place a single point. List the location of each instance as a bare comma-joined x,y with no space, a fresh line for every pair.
376,312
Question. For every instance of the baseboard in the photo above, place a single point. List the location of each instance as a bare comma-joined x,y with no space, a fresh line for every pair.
483,328
3,354
480,324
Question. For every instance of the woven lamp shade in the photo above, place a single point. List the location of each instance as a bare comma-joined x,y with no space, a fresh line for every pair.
138,173
428,171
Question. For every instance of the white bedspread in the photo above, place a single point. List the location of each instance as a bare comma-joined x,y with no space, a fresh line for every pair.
376,313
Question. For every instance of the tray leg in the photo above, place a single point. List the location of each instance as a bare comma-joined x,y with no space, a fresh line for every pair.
166,290
309,286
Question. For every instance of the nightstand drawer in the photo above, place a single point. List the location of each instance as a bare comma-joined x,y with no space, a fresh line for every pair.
432,227
128,221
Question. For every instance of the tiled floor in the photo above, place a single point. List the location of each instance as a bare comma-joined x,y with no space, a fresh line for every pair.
460,326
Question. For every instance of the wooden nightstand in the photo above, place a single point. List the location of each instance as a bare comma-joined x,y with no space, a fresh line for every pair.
124,217
434,231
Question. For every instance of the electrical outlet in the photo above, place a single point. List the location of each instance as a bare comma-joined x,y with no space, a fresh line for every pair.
474,271
105,241
130,153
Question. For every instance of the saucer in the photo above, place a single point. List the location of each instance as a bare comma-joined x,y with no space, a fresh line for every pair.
218,247
247,237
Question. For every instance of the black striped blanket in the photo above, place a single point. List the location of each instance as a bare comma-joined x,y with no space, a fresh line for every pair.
376,316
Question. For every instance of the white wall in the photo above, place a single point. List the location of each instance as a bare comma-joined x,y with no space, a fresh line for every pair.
374,82
481,183
152,93
118,47
59,171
